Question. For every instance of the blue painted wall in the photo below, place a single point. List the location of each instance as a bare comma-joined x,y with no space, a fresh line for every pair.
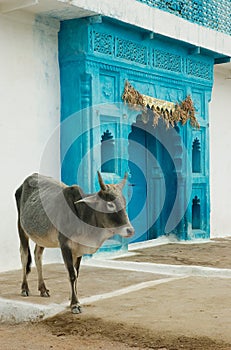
95,61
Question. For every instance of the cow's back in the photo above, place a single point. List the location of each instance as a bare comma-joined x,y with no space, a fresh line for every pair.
38,196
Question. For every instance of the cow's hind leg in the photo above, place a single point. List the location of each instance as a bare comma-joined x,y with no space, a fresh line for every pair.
77,266
68,259
25,259
44,292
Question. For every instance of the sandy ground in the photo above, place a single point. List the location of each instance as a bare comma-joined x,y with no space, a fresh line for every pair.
215,253
187,312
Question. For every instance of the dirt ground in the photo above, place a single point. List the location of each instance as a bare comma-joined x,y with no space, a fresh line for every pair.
215,253
187,312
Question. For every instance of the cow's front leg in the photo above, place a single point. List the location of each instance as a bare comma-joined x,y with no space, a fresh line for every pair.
77,265
38,252
68,260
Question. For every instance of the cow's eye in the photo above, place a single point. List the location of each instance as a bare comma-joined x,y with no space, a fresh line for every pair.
111,206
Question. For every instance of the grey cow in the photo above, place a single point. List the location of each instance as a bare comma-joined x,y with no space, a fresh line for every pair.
55,215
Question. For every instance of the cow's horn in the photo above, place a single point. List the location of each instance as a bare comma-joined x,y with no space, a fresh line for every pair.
123,182
101,183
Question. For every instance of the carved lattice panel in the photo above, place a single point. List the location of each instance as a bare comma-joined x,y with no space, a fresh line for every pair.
199,69
131,51
167,61
102,43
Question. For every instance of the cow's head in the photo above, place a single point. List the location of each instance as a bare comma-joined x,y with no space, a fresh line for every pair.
106,209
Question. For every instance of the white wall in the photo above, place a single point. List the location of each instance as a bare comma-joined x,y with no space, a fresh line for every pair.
29,112
220,146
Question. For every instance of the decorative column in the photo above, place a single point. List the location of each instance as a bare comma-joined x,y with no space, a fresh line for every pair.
86,118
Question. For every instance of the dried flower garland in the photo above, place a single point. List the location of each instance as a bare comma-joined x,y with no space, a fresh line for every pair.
170,113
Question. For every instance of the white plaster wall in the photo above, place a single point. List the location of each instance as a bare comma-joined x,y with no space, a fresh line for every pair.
29,112
220,156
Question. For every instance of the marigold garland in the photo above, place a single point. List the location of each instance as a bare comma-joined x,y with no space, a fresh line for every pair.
181,112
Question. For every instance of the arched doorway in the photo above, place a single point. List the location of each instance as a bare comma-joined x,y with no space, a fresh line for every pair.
154,167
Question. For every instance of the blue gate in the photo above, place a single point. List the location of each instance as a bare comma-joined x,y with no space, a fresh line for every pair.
96,59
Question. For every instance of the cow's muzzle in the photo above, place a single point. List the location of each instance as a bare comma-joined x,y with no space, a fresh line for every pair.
130,231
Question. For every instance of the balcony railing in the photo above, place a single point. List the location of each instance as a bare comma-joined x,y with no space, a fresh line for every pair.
212,14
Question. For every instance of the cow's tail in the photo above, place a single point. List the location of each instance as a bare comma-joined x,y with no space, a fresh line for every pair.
23,237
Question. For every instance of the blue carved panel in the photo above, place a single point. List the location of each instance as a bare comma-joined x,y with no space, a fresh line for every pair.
108,160
143,86
110,124
199,69
169,94
199,143
102,42
167,61
199,211
108,91
196,156
131,51
162,92
199,105
148,54
196,213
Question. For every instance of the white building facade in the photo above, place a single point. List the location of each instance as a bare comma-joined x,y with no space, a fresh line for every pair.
31,102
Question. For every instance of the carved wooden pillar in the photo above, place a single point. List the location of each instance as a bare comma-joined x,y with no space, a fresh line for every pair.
86,101
181,198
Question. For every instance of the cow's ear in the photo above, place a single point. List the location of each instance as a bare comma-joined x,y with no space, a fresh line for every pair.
101,183
123,182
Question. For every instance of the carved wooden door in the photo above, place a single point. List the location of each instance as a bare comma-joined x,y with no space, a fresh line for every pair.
153,181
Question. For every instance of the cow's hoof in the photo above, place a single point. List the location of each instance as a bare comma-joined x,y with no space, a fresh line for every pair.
45,293
76,309
25,293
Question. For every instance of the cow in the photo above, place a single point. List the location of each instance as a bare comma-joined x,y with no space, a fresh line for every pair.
53,214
